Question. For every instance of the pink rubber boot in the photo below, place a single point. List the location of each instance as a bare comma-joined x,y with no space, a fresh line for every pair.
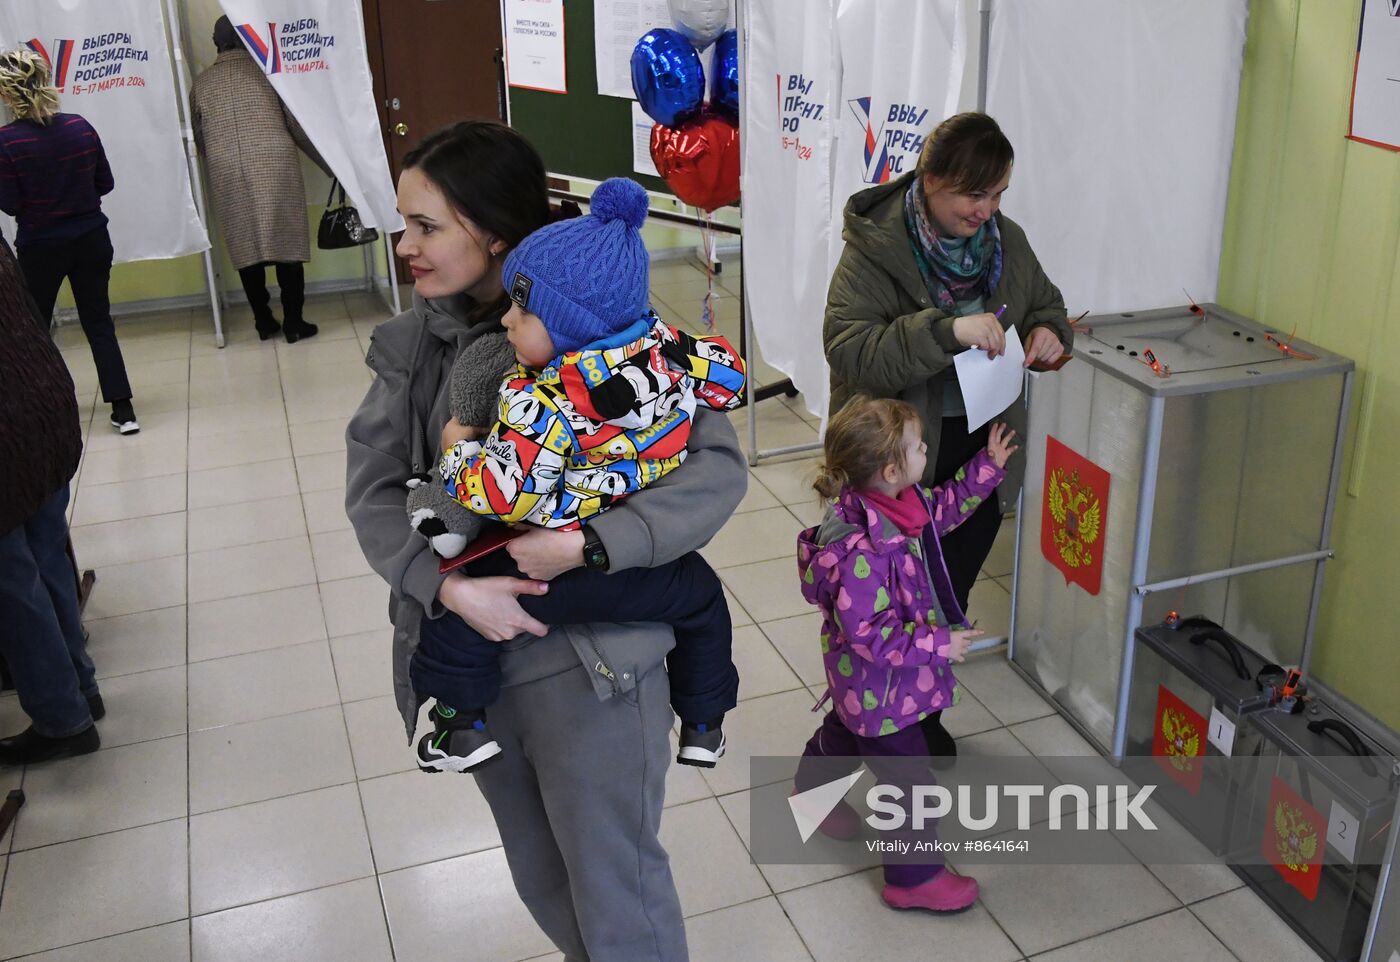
945,892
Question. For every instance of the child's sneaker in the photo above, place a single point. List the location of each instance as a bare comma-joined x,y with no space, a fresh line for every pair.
459,741
701,744
945,892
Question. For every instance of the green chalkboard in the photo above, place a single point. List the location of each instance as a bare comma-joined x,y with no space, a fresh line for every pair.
579,134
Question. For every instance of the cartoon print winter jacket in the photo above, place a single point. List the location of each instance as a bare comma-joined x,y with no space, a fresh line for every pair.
593,426
887,603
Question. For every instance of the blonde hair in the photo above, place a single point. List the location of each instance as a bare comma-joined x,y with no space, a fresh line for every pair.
861,439
25,84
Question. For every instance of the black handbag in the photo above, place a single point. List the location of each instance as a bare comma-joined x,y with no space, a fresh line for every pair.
341,226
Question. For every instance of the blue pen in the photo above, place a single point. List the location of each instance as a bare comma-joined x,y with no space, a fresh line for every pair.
1000,311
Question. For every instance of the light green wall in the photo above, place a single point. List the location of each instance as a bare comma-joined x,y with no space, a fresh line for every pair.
1312,239
182,276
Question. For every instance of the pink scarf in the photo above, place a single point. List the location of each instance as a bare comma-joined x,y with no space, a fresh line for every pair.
905,510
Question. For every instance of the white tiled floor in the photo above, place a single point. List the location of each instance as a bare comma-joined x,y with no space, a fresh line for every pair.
254,799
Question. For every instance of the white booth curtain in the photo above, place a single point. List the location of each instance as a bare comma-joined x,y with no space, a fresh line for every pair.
111,59
901,68
111,62
790,102
838,97
1122,117
314,54
1123,120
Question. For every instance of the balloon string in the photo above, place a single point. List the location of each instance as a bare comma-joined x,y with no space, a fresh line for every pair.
707,239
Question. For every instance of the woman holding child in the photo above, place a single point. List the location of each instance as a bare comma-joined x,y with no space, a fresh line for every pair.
582,716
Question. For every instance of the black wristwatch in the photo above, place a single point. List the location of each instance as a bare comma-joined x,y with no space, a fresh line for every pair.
595,556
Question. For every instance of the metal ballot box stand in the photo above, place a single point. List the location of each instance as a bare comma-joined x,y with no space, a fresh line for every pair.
1193,467
1383,935
1312,838
1192,685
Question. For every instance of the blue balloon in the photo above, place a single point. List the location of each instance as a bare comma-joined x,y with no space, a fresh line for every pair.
724,75
667,77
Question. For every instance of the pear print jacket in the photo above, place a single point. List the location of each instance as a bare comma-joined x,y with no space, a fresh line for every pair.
887,602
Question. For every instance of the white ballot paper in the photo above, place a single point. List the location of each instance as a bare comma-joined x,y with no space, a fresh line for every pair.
989,387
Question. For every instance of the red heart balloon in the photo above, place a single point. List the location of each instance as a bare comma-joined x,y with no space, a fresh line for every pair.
699,160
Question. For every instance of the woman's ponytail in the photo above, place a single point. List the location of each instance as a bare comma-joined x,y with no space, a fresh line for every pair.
830,480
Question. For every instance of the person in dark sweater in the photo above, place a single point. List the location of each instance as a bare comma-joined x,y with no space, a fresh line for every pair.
53,174
41,634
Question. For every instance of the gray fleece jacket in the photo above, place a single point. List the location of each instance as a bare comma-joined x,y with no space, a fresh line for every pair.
394,435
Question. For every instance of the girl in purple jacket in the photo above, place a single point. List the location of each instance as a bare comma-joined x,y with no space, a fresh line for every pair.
891,622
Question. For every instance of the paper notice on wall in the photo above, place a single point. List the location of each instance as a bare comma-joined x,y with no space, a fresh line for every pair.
1375,101
641,142
617,26
535,45
990,386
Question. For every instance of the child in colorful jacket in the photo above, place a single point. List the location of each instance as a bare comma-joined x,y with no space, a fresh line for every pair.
587,427
891,622
599,406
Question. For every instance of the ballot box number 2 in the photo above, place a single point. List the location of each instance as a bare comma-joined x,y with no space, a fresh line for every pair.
1342,829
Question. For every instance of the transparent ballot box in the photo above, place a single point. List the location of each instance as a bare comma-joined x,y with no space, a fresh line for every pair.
1312,839
1192,685
1185,459
1383,937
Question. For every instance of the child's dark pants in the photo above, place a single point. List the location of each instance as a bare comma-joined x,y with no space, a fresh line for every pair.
892,759
459,667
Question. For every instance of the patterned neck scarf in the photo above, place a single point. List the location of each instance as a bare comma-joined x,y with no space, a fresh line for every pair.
949,279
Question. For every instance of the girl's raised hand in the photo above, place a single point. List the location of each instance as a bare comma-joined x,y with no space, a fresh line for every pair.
999,444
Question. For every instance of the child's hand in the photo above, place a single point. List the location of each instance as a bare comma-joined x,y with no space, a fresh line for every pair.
999,444
456,431
962,640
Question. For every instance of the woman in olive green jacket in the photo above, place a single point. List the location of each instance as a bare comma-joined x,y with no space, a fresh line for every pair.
927,265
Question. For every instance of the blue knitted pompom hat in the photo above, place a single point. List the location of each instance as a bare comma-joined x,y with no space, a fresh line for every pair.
585,278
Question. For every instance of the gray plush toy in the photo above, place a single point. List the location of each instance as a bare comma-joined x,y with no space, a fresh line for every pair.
473,398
